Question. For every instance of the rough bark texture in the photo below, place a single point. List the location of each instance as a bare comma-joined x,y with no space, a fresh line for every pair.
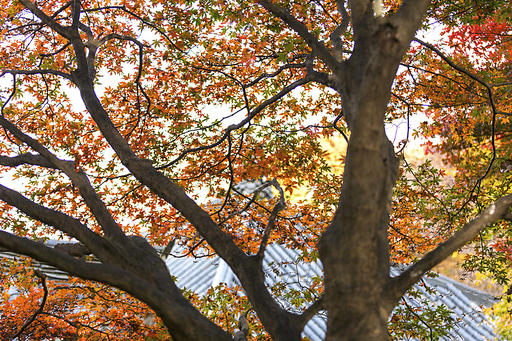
354,248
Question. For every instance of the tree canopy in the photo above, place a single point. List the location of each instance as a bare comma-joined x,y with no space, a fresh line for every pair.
131,125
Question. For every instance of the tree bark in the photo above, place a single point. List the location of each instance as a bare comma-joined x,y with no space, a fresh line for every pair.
354,248
359,293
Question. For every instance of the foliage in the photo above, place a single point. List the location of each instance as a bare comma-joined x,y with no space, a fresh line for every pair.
111,115
421,321
74,310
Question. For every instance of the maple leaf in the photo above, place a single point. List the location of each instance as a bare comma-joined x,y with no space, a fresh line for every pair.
181,102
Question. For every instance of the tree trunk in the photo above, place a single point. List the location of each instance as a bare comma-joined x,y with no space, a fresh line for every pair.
354,249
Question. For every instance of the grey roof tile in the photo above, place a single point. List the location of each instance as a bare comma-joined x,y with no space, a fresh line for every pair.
280,264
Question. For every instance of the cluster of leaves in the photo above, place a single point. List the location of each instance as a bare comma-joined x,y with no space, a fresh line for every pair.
468,111
192,72
414,319
182,71
72,309
195,57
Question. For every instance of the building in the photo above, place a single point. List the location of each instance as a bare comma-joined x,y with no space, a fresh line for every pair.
283,265
280,264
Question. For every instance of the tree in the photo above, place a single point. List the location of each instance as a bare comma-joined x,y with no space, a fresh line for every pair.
145,152
470,110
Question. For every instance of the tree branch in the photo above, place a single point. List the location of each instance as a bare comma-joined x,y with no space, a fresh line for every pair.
71,226
75,13
79,179
335,36
275,73
452,64
317,46
249,203
39,72
39,310
179,314
508,217
311,311
94,271
63,31
271,221
249,272
77,323
499,210
491,102
246,120
411,13
26,159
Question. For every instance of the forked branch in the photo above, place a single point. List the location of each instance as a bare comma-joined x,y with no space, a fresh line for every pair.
71,226
317,46
78,178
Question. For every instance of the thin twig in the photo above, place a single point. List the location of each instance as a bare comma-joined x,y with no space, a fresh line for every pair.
254,197
272,220
495,112
31,319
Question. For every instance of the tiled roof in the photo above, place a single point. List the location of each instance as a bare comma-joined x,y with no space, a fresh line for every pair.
280,264
50,271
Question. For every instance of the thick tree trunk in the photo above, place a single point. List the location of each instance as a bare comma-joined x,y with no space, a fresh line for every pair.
354,249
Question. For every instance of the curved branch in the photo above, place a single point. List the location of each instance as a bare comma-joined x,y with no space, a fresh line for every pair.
275,73
499,210
79,179
137,77
249,117
39,310
504,113
77,323
120,37
451,63
400,98
94,271
26,159
55,52
491,100
335,126
61,9
247,270
39,72
178,313
419,318
71,226
311,311
317,46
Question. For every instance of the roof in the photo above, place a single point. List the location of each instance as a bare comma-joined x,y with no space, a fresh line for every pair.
52,272
280,264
